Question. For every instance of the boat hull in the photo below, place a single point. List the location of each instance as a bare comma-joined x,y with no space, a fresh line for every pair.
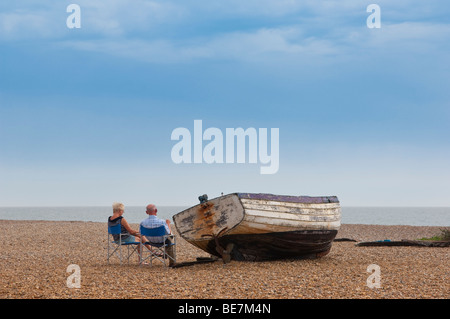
262,226
306,244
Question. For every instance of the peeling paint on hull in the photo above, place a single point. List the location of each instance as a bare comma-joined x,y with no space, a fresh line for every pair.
262,226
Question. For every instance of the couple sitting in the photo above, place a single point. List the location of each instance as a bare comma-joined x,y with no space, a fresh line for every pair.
128,235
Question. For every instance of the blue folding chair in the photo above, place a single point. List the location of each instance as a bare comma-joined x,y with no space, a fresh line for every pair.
159,251
115,246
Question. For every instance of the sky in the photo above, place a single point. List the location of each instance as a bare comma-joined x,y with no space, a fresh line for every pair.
86,114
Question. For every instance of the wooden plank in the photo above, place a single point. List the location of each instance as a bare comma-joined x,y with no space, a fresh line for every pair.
288,198
196,262
295,208
419,243
292,224
275,216
289,204
259,227
345,239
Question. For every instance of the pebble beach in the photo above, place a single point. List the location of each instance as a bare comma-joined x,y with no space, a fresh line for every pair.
35,255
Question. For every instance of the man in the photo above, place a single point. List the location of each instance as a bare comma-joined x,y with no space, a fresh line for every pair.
153,222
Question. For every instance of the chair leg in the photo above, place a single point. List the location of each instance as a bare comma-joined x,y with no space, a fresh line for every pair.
154,253
107,242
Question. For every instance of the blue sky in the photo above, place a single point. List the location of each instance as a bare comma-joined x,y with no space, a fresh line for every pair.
86,114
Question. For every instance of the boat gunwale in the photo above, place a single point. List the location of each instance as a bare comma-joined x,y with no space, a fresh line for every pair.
290,198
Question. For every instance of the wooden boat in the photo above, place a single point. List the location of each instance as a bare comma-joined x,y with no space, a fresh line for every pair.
244,226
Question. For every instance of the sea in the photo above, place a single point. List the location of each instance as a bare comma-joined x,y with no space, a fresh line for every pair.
413,216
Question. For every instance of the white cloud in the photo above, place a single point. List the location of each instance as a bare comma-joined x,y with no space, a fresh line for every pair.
291,42
120,17
245,46
422,33
19,25
137,29
47,20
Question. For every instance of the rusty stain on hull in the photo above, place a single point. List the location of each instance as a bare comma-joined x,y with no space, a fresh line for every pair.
204,222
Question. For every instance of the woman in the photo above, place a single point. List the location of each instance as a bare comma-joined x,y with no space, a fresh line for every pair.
127,233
